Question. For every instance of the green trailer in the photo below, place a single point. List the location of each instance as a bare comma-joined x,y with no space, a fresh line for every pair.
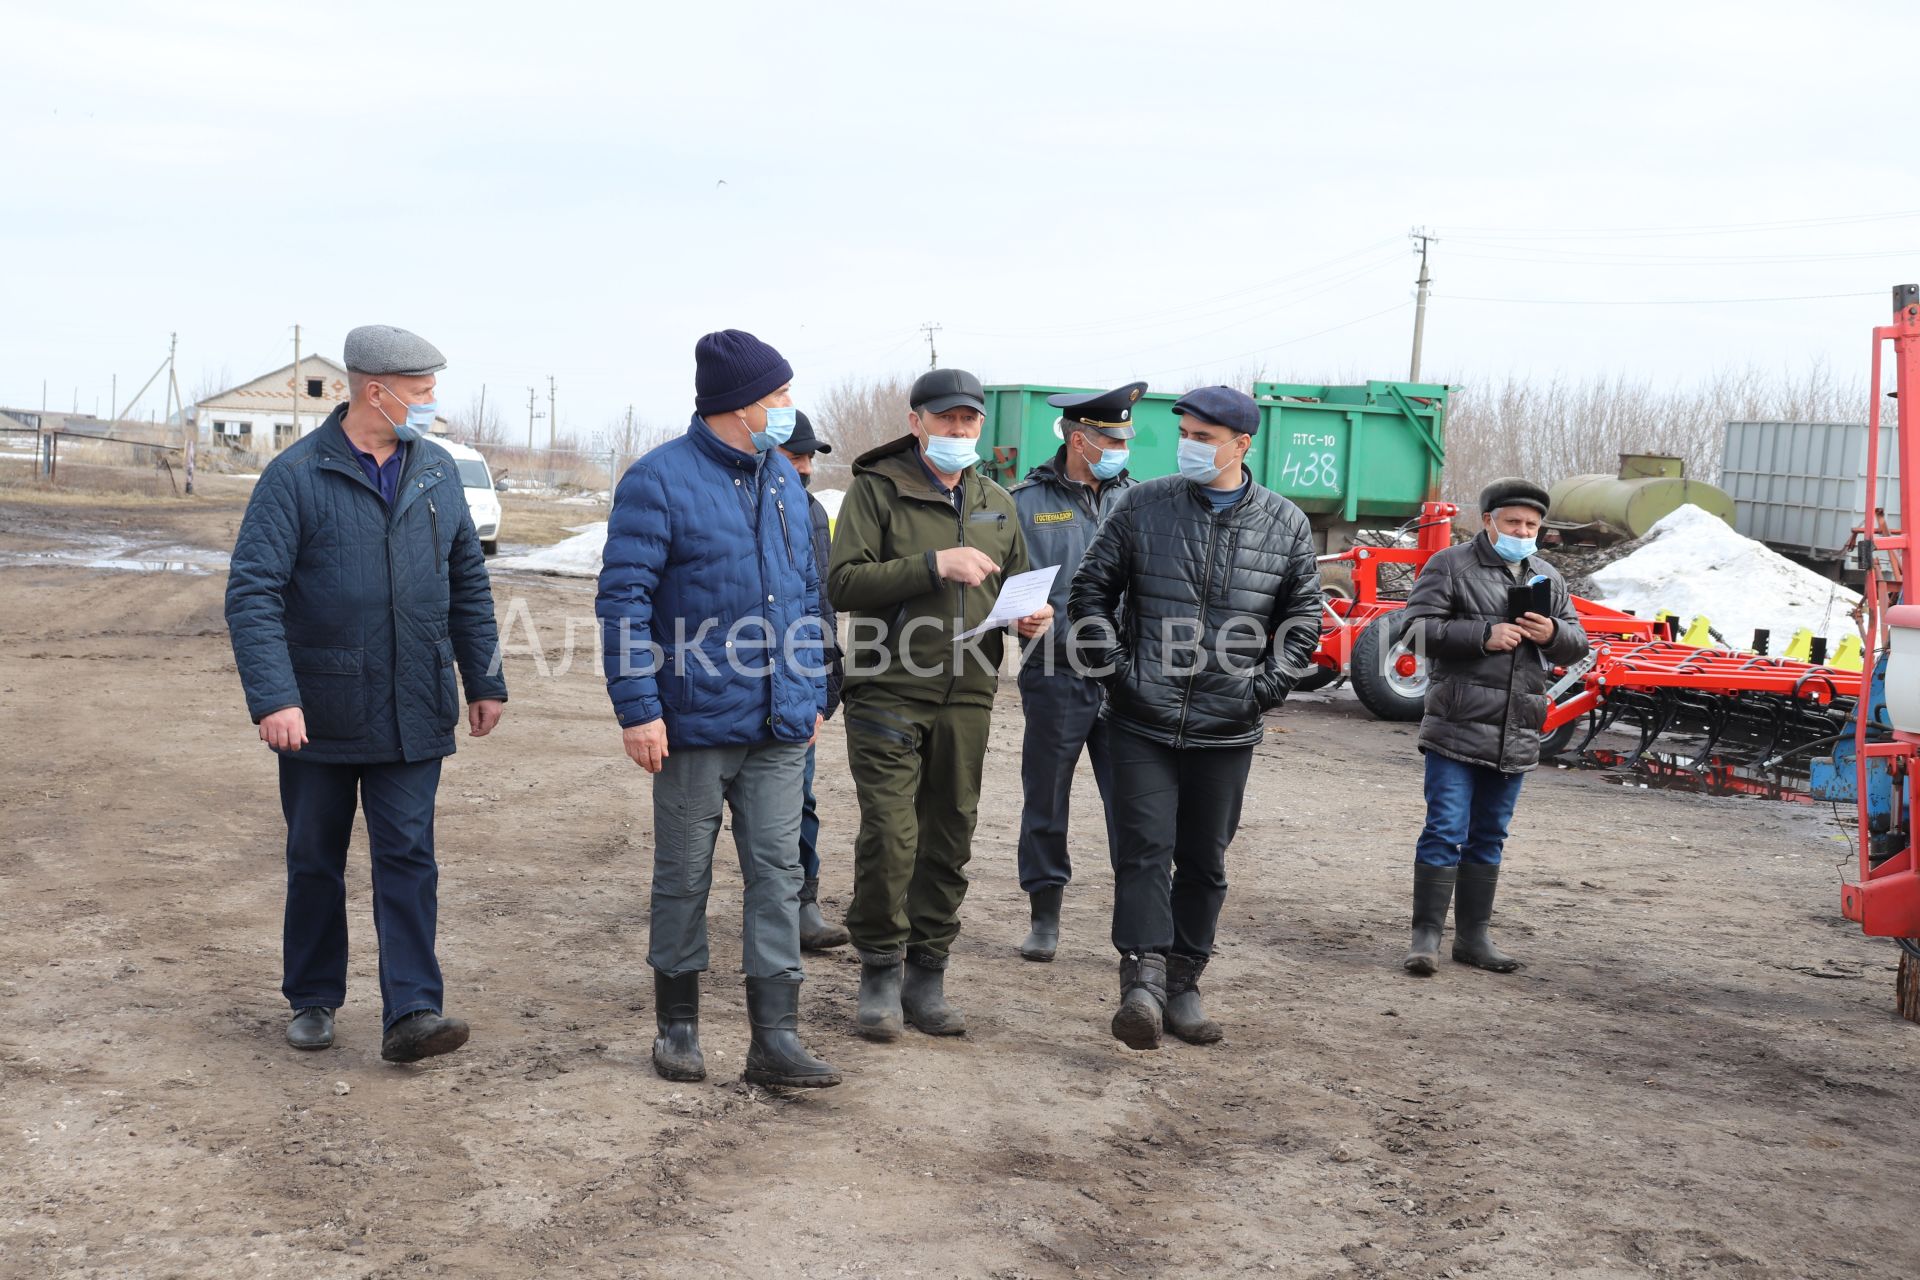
1351,457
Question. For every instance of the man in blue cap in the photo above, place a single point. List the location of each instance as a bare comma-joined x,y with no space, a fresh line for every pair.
357,590
710,614
1204,588
1061,502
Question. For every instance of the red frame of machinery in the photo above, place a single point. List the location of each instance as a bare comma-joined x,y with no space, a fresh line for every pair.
1885,902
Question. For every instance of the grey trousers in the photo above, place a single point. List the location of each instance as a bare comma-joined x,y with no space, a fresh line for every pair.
762,785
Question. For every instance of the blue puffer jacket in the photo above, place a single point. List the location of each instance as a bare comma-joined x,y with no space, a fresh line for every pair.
706,547
357,614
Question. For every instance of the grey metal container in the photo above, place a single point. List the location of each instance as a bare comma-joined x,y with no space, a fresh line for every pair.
1801,487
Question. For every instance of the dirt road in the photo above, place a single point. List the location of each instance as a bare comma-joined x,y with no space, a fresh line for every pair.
1699,1073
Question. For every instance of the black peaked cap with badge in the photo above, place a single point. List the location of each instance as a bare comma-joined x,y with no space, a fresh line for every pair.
1108,412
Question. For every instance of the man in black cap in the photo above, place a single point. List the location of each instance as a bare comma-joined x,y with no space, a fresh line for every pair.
1061,502
921,547
816,934
1204,589
357,590
1490,661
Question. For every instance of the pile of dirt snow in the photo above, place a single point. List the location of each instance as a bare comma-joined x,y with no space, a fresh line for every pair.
575,557
1692,562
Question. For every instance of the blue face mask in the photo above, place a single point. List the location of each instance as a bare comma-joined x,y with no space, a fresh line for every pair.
1112,463
1198,462
780,424
1513,550
419,419
952,454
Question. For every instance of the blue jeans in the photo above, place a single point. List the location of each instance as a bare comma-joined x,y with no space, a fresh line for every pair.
1468,808
319,801
809,827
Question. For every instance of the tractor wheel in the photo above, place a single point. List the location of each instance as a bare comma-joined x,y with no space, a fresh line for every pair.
1390,680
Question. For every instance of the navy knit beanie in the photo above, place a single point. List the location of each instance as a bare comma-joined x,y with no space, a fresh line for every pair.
732,369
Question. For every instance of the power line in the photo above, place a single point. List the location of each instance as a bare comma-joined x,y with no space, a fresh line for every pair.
1704,229
1598,258
1345,324
1660,302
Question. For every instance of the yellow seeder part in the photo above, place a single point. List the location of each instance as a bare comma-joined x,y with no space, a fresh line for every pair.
1846,657
1800,648
1700,634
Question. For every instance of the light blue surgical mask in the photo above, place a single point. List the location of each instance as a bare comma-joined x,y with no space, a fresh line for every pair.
779,430
952,454
1513,550
1112,463
419,419
1199,462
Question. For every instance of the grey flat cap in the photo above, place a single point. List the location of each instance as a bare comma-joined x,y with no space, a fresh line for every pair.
381,348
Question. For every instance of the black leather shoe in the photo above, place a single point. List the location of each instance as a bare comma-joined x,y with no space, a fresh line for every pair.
422,1035
311,1029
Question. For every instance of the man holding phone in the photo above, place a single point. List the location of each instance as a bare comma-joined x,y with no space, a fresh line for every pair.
1494,621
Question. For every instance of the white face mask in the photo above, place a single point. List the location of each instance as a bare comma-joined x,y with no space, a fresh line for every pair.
1199,461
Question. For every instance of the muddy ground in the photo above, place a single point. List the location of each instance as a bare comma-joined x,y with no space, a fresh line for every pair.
1699,1073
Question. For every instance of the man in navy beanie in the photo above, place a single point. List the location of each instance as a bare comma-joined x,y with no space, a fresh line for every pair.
709,607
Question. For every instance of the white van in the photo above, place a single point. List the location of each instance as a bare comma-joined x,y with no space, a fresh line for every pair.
482,501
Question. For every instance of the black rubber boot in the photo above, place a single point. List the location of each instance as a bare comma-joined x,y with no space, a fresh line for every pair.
1472,910
311,1029
1184,1016
676,1011
1143,1000
422,1035
923,997
815,933
880,1017
775,1057
1043,938
1432,891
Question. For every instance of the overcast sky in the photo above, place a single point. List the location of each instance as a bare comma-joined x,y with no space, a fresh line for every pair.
1079,194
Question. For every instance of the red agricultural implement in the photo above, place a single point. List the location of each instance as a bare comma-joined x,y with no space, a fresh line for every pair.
1737,709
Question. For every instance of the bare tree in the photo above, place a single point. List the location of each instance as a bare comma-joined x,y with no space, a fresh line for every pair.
479,424
855,415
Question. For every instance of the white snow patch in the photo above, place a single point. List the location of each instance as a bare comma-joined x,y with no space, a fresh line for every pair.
1694,563
830,499
576,557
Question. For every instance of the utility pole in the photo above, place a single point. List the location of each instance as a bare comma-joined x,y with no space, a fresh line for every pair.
480,427
933,357
531,415
113,398
1420,307
296,388
553,420
189,431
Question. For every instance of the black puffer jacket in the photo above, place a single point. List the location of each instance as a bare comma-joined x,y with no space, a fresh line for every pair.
1486,708
1163,562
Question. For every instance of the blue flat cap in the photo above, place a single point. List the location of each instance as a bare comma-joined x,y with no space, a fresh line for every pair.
1222,406
381,348
1108,412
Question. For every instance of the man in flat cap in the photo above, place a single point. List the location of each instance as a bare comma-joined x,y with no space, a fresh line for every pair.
709,609
1204,587
1061,502
816,933
1489,662
358,602
920,550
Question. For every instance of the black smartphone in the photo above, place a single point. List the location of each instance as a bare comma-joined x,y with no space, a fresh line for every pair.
1534,597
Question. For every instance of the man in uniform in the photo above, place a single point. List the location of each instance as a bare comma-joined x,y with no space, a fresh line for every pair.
816,934
1206,587
922,545
1061,502
357,590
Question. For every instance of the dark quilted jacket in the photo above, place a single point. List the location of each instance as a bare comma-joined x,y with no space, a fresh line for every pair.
357,614
709,599
1486,708
1163,563
829,621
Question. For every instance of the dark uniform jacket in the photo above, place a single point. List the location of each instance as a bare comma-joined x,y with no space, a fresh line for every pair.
1165,563
1058,515
359,614
1486,708
900,613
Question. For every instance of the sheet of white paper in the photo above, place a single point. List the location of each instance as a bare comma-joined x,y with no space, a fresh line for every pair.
1020,595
